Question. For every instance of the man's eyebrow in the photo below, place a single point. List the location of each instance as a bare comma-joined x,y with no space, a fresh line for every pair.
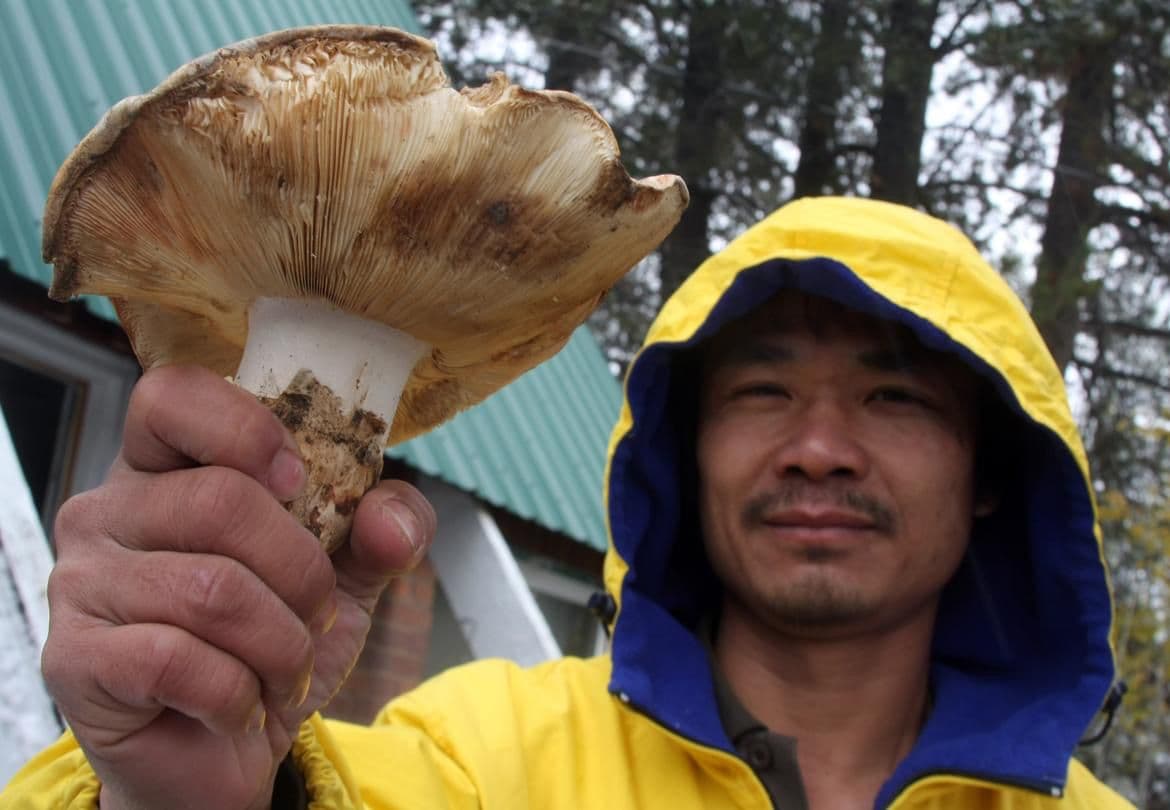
753,351
895,358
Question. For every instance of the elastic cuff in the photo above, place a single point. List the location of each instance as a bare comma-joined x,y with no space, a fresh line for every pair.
325,787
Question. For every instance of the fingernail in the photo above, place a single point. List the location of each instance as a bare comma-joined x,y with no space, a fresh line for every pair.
256,720
286,475
301,693
324,618
407,521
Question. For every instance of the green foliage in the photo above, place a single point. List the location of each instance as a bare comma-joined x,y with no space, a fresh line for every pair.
1133,757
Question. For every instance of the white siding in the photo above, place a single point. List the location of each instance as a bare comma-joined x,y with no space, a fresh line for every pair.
27,718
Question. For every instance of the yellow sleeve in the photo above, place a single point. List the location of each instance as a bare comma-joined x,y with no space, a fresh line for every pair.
383,767
345,767
1085,792
58,778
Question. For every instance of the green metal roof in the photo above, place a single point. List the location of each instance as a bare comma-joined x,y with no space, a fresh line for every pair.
536,448
63,63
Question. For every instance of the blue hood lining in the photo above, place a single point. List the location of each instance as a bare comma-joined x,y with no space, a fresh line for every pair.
1021,659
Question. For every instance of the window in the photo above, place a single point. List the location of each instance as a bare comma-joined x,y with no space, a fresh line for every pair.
564,601
64,400
40,411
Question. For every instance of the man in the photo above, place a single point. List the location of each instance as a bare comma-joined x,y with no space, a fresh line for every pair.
854,563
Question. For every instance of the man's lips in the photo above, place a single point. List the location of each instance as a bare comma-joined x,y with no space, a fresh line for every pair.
819,519
813,510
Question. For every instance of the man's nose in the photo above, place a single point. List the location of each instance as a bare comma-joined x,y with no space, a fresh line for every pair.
819,441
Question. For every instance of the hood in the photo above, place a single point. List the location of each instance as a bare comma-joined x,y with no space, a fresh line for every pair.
1022,658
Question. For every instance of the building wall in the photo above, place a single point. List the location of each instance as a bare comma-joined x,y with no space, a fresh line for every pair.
28,721
415,633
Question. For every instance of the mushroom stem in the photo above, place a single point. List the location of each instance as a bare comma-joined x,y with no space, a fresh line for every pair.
334,379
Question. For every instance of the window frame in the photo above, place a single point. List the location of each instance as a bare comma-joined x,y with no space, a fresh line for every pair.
103,379
547,581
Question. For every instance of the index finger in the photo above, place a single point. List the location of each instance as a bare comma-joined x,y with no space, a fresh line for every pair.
187,416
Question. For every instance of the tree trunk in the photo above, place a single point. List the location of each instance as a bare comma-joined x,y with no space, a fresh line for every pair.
698,126
906,73
823,90
1072,205
1158,718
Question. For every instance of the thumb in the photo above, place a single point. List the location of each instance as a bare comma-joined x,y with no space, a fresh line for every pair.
392,529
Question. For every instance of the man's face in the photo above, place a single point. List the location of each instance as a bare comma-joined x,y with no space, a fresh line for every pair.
836,465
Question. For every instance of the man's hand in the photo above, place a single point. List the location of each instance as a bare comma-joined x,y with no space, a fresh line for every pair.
194,623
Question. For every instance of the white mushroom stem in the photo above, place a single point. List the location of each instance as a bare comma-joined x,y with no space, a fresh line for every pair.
335,380
365,363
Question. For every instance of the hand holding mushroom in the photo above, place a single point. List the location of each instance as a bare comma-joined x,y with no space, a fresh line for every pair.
195,623
317,213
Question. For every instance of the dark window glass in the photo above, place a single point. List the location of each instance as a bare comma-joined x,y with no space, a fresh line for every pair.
573,626
39,410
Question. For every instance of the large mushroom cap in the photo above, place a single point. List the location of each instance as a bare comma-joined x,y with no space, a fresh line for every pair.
336,163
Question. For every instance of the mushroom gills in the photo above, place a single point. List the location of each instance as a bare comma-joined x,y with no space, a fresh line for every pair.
334,380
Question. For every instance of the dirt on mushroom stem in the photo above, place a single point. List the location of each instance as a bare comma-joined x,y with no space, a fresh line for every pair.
342,453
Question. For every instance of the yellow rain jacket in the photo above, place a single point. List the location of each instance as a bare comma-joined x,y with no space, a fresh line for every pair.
1022,658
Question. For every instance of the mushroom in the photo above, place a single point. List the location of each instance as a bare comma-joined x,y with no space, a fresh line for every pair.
318,214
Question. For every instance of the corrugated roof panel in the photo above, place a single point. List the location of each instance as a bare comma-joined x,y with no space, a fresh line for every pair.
63,63
536,448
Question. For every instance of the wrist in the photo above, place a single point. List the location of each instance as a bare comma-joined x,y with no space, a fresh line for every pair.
108,799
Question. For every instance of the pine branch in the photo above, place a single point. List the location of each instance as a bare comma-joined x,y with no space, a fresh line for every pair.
985,185
1131,328
1121,374
1120,215
849,147
1135,164
952,41
969,128
758,150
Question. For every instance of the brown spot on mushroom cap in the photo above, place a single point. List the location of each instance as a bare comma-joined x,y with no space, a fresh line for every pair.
337,163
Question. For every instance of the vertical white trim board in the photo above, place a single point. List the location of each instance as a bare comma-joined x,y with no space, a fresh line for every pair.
483,582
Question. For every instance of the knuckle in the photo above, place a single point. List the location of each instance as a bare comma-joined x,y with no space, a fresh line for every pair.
218,497
150,393
171,666
75,518
63,669
256,429
62,586
168,661
218,591
57,664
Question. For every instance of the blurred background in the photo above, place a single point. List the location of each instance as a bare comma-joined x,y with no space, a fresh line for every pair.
1039,128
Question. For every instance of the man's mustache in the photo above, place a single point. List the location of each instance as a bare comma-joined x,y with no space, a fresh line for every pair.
799,494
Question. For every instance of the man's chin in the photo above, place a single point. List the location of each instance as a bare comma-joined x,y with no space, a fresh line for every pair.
821,608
